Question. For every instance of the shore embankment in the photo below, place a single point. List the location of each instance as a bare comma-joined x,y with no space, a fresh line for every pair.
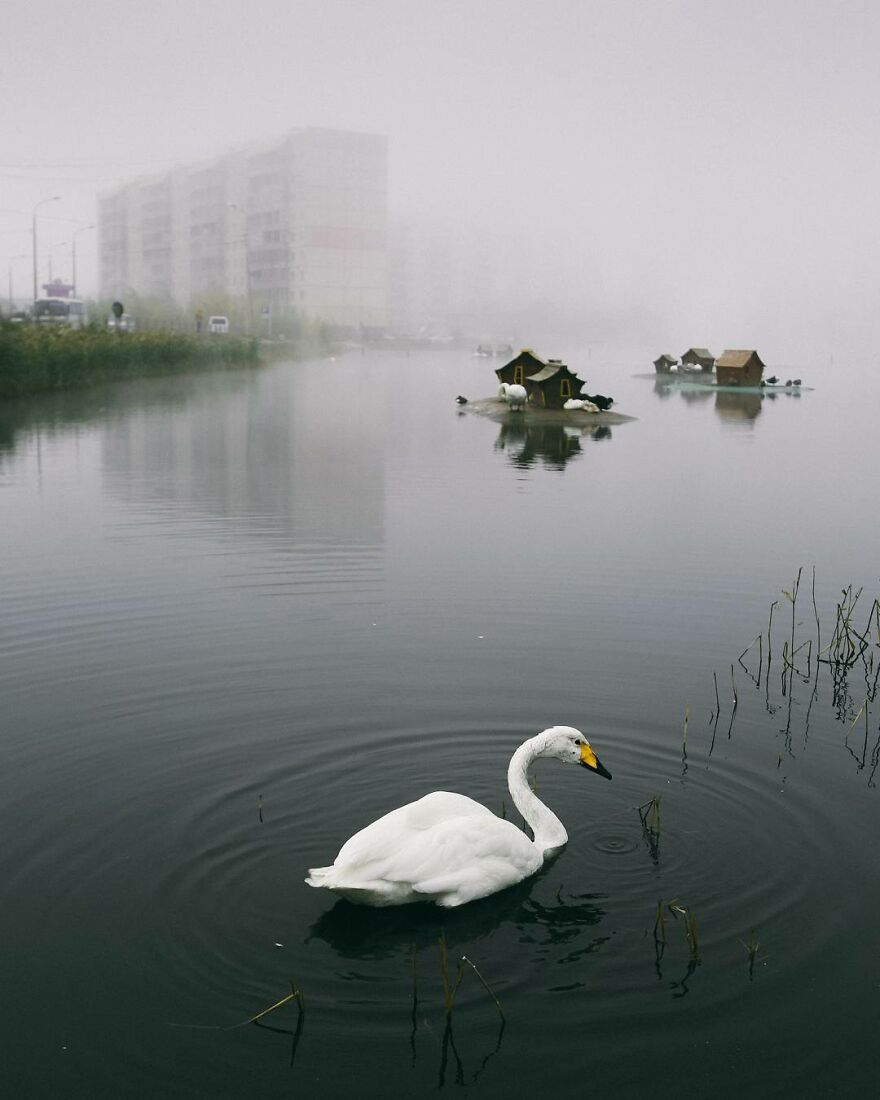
37,359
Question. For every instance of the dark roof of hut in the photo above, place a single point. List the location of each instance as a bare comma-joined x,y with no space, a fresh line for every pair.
704,353
525,354
737,358
525,359
665,359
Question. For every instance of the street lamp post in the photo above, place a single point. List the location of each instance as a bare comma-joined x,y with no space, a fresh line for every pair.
54,198
81,229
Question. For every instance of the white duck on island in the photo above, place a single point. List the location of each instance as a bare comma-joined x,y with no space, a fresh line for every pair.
447,848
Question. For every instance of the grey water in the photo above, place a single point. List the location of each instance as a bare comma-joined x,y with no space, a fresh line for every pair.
246,613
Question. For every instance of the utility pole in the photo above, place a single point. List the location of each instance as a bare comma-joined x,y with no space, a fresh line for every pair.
54,198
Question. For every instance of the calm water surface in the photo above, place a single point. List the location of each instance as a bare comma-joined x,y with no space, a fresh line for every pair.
244,614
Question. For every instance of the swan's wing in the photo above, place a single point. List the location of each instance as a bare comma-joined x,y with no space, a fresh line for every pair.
444,846
385,835
462,860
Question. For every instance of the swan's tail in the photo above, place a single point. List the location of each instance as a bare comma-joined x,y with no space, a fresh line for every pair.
318,876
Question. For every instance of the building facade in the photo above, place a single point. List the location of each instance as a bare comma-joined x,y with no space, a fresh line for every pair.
295,225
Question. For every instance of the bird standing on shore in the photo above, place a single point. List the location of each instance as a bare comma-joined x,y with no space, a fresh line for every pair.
515,396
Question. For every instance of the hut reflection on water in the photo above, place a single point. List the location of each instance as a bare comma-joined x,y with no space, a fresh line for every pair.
743,407
554,445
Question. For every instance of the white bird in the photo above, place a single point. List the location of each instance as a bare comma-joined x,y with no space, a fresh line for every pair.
449,849
515,395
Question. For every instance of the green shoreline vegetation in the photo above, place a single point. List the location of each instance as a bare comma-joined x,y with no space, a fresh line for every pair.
37,359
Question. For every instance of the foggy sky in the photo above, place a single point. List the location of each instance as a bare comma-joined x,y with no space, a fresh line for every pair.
710,166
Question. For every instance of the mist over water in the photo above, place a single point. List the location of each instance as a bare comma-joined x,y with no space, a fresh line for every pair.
245,613
677,174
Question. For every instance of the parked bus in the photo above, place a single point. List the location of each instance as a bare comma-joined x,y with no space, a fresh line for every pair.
61,311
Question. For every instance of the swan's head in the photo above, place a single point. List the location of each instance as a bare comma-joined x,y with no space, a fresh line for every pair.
571,747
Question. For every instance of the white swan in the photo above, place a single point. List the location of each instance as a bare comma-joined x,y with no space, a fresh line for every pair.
449,849
580,403
515,395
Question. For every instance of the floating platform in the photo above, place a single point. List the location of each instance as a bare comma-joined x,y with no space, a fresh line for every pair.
713,387
495,408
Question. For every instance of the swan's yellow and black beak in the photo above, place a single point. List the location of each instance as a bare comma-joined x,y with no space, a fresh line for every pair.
591,761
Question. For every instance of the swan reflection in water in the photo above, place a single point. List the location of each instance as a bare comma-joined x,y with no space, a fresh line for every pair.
406,932
553,445
355,932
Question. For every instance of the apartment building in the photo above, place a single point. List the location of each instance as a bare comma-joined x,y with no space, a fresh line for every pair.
295,224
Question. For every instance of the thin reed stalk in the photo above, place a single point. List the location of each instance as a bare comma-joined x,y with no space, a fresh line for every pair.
690,924
660,924
294,995
484,984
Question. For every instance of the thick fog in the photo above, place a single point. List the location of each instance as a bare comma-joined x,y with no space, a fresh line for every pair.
659,174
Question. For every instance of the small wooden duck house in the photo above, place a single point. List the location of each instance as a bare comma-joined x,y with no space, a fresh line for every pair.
664,364
553,385
698,357
517,370
739,368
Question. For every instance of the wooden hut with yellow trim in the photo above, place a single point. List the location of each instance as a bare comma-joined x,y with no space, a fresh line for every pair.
739,368
517,370
553,385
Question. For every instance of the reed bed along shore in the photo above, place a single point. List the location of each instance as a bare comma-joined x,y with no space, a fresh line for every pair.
39,359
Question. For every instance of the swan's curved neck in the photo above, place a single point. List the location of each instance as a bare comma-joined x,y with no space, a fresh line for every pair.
549,831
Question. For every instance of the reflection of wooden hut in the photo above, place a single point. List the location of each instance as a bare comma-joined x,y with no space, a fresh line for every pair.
664,364
698,357
517,370
738,406
739,368
553,385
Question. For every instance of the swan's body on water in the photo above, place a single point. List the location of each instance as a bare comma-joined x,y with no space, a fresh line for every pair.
449,849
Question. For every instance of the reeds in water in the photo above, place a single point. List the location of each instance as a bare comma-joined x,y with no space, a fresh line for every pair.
35,359
649,815
295,994
450,991
751,947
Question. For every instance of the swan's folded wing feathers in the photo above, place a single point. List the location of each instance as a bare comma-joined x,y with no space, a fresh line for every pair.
385,835
470,857
445,846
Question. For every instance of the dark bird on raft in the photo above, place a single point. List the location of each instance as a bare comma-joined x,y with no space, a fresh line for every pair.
601,402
